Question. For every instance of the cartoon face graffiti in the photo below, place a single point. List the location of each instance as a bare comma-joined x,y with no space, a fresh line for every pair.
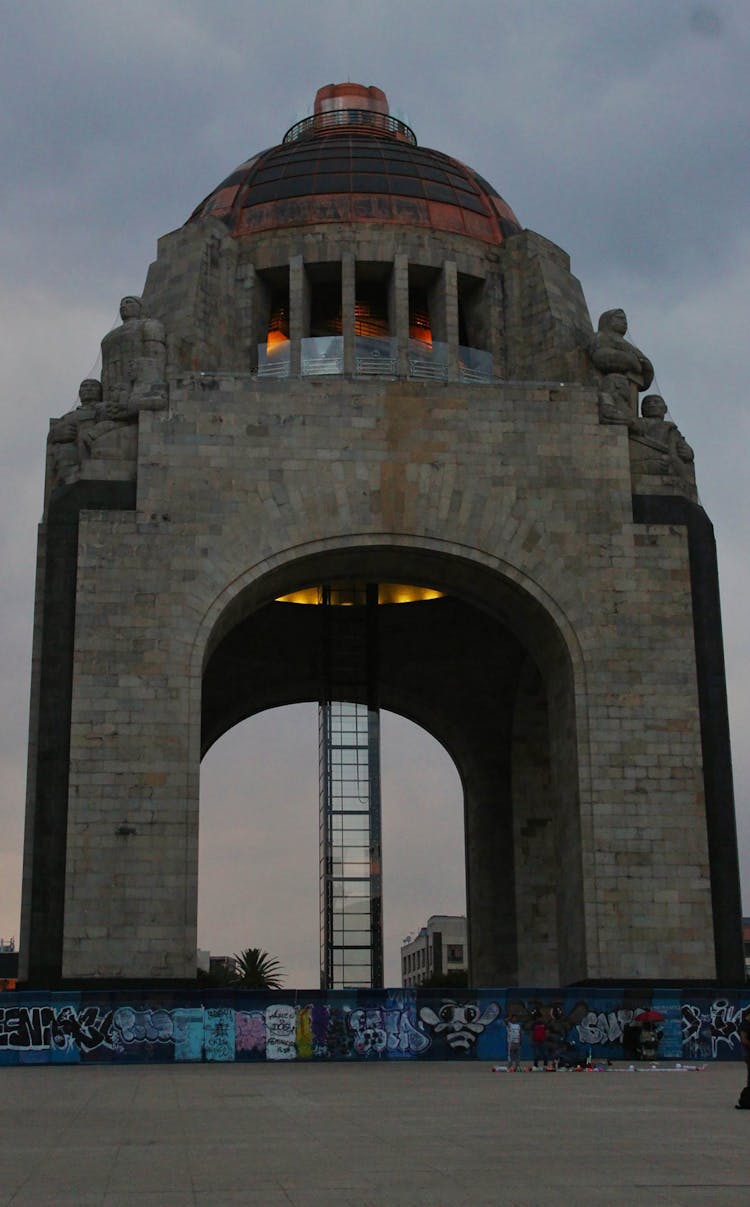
459,1023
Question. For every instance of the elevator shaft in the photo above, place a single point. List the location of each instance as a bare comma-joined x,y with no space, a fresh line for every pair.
351,921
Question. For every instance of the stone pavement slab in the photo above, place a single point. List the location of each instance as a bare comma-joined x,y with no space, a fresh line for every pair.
370,1135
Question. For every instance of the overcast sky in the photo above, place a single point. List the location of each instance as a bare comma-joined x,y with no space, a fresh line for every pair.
618,130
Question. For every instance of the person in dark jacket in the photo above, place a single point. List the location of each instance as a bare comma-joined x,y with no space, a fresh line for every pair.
538,1040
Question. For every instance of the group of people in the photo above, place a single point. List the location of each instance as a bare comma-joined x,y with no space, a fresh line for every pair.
546,1042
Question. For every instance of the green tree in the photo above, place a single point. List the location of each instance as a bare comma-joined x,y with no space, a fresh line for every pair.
257,970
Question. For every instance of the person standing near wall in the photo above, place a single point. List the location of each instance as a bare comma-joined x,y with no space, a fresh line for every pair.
631,1040
513,1028
539,1040
555,1036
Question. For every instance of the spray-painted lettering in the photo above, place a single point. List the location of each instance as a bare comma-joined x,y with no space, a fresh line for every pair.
392,1024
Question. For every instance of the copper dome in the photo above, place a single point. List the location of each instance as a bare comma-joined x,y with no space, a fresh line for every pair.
352,162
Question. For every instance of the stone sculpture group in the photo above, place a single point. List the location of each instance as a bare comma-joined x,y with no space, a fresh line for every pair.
103,427
657,445
104,424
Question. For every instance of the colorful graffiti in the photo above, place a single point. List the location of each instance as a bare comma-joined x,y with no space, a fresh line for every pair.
460,1024
392,1024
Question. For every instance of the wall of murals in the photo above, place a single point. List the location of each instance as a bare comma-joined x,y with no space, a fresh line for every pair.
391,1024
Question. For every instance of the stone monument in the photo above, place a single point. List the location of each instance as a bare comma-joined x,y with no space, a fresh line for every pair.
352,365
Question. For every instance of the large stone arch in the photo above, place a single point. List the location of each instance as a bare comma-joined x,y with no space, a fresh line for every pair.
515,471
493,672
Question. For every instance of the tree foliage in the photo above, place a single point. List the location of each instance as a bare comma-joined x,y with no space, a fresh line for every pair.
256,969
218,977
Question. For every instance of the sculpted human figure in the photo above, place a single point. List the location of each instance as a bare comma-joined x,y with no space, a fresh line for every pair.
626,371
134,364
67,438
658,444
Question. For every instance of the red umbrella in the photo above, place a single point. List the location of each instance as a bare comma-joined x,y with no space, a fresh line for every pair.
650,1016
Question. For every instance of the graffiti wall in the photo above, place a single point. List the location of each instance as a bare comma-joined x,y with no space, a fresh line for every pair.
413,1024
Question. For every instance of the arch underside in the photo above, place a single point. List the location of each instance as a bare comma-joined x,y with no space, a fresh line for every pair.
490,679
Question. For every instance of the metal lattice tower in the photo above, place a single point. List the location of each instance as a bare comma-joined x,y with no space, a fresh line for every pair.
351,924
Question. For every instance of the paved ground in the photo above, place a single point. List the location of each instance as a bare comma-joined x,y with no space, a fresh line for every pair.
391,1135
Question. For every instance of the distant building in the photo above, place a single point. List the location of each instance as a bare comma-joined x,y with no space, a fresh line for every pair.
218,965
439,948
8,964
219,968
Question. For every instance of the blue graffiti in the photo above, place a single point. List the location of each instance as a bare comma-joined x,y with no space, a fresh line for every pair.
376,1025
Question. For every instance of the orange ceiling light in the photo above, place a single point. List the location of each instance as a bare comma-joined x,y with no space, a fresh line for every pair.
310,595
388,593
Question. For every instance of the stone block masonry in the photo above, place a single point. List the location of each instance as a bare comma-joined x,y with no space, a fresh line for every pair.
493,449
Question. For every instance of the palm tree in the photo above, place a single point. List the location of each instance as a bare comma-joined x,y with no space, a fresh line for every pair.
257,970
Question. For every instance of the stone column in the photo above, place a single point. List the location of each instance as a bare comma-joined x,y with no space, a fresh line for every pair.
443,301
348,302
492,297
253,314
398,312
450,295
299,311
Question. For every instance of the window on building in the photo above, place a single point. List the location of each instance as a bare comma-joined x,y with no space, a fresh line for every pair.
472,312
420,327
371,307
455,953
278,318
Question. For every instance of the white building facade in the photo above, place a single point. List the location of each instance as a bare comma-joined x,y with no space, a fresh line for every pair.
439,948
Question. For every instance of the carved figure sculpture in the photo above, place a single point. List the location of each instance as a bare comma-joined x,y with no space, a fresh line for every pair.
134,364
658,446
626,371
67,438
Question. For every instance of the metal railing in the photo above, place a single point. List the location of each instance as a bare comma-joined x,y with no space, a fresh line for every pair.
474,364
374,357
428,362
274,362
364,120
322,355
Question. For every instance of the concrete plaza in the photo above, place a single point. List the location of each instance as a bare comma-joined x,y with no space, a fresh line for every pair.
379,1135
